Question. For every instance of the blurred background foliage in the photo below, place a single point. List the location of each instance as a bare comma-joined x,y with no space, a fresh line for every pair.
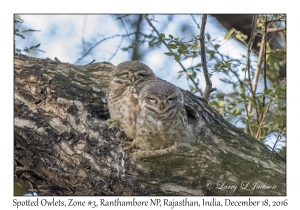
248,90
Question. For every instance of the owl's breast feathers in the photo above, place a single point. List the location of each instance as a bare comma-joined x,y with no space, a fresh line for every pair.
122,108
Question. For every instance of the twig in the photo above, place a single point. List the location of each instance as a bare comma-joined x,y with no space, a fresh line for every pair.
113,55
208,87
125,30
95,45
267,109
277,20
273,30
277,140
250,44
170,50
90,62
57,60
256,75
265,64
230,69
265,69
122,16
281,35
195,21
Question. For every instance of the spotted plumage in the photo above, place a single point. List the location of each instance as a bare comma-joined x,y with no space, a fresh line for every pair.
121,103
161,118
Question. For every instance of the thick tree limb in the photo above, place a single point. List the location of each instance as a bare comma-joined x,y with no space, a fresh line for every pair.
62,144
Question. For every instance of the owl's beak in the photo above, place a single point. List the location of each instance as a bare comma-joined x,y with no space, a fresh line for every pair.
133,79
161,106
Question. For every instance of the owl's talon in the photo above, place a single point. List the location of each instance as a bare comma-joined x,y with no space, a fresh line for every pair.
132,146
126,143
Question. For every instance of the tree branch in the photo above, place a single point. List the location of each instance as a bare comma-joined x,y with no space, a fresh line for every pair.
208,87
135,54
277,140
265,69
111,37
267,109
273,30
170,50
113,55
250,45
256,75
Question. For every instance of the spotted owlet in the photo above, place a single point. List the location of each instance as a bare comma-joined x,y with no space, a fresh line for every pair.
121,103
161,118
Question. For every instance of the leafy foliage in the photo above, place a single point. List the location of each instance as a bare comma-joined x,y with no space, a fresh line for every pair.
258,112
17,23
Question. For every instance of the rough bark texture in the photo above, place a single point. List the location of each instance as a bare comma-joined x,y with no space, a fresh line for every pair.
62,144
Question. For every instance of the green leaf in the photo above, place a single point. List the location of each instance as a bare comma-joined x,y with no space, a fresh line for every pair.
162,35
17,21
237,111
172,46
275,85
179,51
36,46
169,53
183,47
230,33
179,75
18,17
177,58
243,96
252,100
268,91
30,30
263,109
20,35
216,46
40,50
208,36
171,36
194,75
211,53
158,42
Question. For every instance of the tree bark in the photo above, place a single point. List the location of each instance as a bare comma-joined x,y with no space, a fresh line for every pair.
62,144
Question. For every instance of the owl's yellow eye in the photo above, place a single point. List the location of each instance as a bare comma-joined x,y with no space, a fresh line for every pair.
152,100
171,100
124,75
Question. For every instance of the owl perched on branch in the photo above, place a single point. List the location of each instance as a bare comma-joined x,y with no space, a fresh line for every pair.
121,103
161,117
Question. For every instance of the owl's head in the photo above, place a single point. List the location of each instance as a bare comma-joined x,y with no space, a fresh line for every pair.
159,96
129,72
